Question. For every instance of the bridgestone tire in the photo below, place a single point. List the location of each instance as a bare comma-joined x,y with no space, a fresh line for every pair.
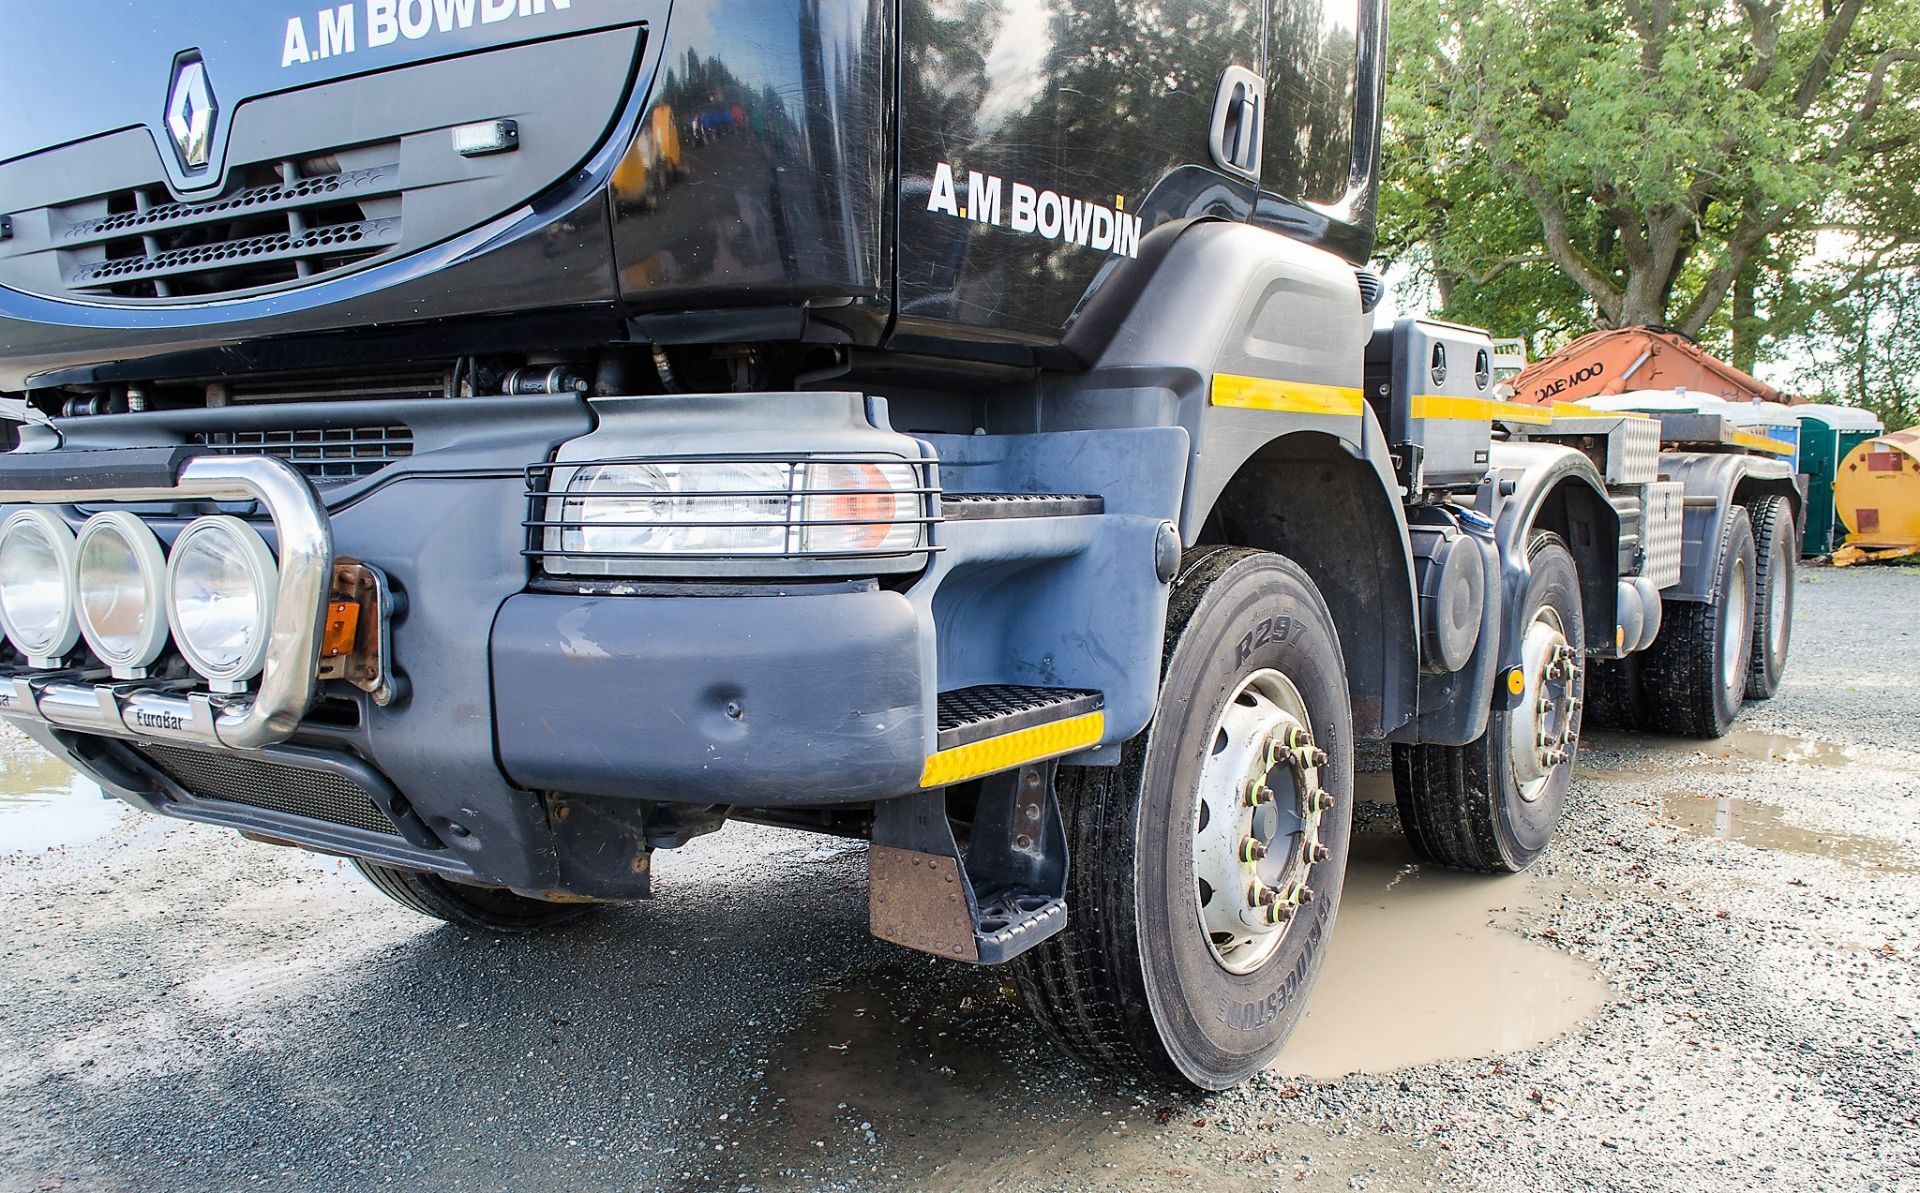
485,909
1132,985
1462,806
1689,684
1776,545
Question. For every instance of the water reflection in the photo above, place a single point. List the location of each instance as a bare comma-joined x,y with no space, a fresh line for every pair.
45,805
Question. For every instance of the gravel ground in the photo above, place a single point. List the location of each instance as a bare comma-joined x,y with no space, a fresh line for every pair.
1711,982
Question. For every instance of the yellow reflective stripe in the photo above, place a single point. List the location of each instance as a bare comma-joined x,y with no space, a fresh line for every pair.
1522,412
1761,443
1293,397
1009,750
1476,410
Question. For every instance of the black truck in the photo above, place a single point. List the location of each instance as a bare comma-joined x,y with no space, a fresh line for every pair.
496,440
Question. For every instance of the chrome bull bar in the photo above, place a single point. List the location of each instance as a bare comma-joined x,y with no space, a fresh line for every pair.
173,710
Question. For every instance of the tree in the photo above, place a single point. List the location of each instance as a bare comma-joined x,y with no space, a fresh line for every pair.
1608,163
1862,351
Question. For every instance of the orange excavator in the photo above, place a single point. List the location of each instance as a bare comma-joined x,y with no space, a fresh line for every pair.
1629,358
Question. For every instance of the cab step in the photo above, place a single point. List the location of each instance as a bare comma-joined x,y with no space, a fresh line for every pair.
968,507
973,714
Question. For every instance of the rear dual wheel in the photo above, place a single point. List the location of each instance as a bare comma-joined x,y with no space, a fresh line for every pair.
1776,545
1207,865
1694,676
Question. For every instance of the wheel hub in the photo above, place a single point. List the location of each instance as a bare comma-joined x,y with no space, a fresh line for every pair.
1542,728
1256,824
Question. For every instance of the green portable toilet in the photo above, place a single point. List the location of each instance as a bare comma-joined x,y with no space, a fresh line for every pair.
1827,434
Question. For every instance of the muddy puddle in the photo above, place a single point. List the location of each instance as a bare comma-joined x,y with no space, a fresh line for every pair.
1656,755
1762,826
45,805
935,1079
1425,967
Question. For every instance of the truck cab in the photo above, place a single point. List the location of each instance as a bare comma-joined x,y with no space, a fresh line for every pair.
499,441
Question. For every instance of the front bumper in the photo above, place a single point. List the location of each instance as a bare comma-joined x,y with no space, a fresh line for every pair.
521,703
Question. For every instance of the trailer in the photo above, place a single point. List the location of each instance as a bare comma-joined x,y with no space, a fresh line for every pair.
1003,471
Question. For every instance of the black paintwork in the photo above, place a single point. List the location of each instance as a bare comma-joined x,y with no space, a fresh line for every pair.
753,170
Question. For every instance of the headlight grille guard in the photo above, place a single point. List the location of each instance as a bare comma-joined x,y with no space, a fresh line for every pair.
542,497
163,710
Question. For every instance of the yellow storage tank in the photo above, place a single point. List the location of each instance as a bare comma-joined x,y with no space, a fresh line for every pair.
1877,494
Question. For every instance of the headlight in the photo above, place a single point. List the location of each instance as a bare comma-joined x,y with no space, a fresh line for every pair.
695,508
221,589
120,574
36,585
662,510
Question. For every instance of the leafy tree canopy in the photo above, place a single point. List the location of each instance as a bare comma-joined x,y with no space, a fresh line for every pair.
1557,165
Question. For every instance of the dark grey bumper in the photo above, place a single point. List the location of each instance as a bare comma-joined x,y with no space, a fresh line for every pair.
791,697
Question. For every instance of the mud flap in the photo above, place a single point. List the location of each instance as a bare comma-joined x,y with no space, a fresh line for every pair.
1004,895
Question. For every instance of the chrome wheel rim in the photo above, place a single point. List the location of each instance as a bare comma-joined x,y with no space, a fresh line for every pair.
1256,822
1540,731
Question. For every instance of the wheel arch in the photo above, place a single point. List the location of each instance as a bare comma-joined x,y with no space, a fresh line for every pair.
1536,487
1715,484
1308,496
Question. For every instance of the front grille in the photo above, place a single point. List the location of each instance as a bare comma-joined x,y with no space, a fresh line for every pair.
326,455
289,220
316,795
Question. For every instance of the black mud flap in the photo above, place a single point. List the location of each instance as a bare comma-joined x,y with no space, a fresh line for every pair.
1005,894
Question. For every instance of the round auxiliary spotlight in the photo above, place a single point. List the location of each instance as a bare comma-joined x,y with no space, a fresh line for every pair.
221,589
36,586
120,574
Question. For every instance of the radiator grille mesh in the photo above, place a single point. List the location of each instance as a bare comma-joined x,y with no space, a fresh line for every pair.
256,783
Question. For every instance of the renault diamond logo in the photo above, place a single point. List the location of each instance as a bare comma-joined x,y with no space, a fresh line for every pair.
190,112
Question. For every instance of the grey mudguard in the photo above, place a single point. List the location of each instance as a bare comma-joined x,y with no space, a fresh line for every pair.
1545,486
1070,602
1231,301
1717,483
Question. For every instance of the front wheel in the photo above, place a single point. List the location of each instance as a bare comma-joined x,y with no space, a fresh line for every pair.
1492,805
487,909
1207,866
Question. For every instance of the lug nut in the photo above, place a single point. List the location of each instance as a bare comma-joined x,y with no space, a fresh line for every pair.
1306,895
1321,853
1278,914
1261,895
1322,800
1252,850
1258,794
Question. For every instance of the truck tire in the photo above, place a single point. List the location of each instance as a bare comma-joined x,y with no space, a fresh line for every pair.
1695,673
1179,963
1775,544
1492,805
1613,695
485,909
